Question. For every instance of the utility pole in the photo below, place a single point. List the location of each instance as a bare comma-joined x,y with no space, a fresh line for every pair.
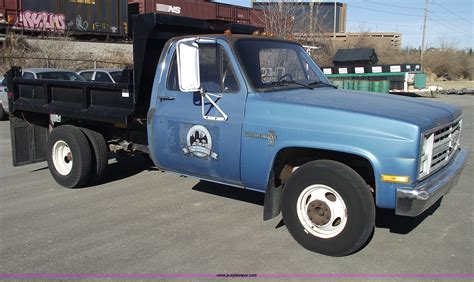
422,49
311,17
335,14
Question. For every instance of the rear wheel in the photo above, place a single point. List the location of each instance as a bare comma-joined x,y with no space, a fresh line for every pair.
99,153
328,208
69,156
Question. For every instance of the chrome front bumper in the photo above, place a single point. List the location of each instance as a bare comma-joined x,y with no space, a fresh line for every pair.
412,201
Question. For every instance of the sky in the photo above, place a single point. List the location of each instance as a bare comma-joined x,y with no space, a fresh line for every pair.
449,21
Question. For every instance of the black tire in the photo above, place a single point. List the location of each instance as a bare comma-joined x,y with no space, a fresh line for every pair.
99,153
79,171
3,114
148,160
350,187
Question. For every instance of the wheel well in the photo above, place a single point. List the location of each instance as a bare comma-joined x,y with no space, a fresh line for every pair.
290,158
99,127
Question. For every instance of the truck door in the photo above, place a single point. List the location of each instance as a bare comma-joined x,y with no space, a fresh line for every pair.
200,134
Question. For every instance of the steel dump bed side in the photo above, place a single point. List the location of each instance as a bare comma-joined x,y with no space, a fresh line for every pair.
112,103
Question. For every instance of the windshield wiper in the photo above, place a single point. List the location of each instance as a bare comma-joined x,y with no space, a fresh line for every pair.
287,82
321,83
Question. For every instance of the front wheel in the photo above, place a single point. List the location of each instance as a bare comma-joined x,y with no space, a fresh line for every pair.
328,208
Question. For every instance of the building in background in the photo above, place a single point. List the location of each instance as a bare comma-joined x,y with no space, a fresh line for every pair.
309,16
344,39
321,23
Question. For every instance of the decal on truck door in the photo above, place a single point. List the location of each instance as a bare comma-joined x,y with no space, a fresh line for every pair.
199,143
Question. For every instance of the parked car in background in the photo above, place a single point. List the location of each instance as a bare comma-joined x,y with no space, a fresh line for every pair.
50,73
3,99
102,75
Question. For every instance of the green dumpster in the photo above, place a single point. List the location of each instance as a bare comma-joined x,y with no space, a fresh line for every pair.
420,80
338,83
364,85
356,84
376,86
348,84
385,86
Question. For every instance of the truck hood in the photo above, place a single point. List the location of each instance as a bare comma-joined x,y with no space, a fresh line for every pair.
422,112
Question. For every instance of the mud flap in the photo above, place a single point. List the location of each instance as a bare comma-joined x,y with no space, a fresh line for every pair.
272,204
28,141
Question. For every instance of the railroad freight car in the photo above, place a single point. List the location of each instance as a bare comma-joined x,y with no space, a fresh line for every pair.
199,9
8,11
77,17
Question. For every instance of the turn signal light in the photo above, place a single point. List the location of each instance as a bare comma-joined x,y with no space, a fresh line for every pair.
395,178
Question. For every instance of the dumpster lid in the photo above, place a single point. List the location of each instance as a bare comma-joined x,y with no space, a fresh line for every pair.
355,57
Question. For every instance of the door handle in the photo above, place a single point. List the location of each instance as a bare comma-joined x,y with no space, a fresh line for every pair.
167,98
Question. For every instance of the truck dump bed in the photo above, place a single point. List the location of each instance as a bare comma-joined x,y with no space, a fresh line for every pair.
83,100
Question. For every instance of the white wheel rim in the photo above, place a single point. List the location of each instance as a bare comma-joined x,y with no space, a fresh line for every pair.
330,211
62,157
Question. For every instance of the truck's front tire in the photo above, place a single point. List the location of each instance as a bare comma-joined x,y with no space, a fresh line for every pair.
328,208
69,156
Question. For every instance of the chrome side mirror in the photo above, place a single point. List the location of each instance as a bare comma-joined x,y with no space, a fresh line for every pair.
189,77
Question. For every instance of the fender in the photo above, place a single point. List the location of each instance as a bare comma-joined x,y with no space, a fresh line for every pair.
273,194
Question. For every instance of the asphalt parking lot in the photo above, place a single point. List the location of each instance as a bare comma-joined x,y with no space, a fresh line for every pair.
145,221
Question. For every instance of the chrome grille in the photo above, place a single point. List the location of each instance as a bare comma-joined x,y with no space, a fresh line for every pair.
446,142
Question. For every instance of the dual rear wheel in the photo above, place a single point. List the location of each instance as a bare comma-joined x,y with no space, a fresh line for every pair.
76,155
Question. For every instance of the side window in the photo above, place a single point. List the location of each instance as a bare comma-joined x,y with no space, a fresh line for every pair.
87,75
172,81
217,75
102,77
28,75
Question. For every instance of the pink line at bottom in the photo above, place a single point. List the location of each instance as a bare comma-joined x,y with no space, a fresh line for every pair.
215,276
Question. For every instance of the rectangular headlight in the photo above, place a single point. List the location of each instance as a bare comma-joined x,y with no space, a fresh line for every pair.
426,155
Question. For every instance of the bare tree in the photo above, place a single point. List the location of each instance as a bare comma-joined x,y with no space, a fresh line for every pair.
446,44
286,18
302,21
277,17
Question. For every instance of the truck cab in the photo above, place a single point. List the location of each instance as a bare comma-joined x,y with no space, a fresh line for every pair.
254,112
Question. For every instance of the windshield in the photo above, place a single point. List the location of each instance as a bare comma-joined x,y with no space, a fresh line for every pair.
116,75
272,65
60,76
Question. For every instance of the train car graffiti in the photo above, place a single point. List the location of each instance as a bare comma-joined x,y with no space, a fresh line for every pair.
81,24
41,21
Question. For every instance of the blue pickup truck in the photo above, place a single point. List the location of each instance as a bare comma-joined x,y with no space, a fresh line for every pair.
253,112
